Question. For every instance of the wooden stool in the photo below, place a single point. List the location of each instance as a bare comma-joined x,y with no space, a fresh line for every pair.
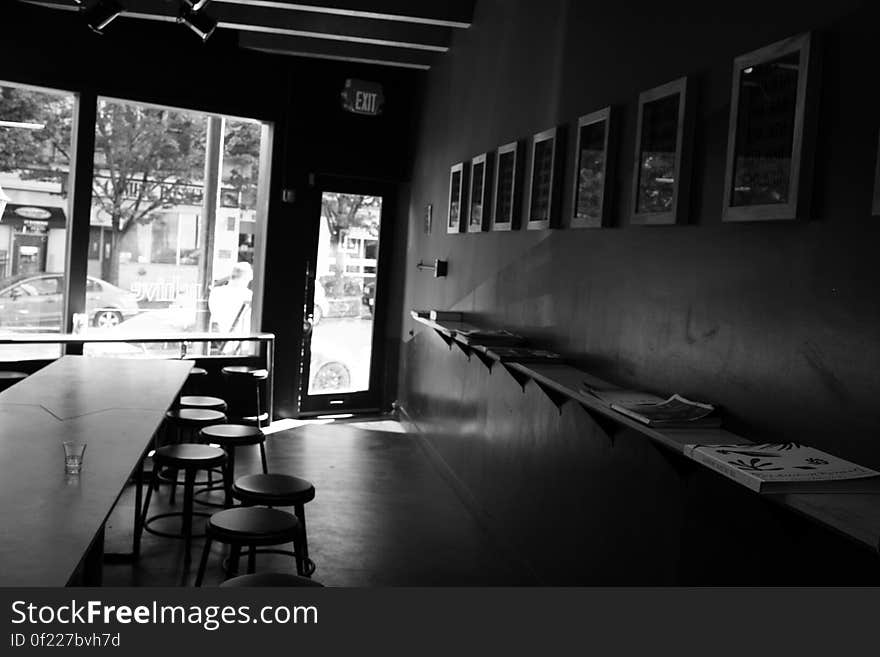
243,377
190,458
9,379
205,403
280,490
249,527
230,436
195,381
268,579
190,420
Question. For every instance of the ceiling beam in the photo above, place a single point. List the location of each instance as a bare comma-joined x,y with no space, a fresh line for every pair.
295,23
336,50
445,13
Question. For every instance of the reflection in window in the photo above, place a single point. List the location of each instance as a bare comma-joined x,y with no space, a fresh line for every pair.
476,214
590,171
765,132
657,155
542,178
504,198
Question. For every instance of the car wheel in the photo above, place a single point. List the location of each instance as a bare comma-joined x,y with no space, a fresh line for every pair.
332,376
317,315
107,318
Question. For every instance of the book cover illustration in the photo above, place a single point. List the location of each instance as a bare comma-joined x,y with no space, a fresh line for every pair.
768,467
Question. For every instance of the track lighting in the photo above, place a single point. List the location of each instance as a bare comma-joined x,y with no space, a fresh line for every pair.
198,21
101,14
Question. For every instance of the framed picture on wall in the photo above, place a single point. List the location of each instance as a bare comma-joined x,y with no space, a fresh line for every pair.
507,187
661,174
481,193
457,197
768,145
875,207
545,175
591,198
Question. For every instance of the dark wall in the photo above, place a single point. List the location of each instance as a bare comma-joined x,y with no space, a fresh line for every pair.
165,64
777,322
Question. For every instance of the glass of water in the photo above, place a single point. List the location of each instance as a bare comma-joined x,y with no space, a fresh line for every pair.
73,456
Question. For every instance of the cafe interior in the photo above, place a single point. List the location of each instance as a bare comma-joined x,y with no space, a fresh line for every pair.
369,293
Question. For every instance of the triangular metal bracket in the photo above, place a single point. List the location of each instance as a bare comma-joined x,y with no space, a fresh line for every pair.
465,349
520,377
484,358
558,398
448,339
682,465
608,426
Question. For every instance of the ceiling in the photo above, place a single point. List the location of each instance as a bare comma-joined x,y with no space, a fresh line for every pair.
401,33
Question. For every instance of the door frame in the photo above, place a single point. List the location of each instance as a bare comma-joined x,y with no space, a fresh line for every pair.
370,400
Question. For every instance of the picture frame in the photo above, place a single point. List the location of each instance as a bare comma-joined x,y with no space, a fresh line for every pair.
545,174
455,218
479,211
663,153
507,187
875,206
770,135
593,160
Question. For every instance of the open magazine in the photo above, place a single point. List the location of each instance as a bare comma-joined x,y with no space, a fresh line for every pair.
675,412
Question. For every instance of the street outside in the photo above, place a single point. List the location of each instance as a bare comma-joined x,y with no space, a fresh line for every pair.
342,341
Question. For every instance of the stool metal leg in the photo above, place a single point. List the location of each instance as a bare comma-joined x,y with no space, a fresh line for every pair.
234,557
263,457
302,551
252,559
188,487
156,469
228,474
203,562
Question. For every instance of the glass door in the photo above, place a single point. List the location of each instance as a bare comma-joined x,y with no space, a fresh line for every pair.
342,363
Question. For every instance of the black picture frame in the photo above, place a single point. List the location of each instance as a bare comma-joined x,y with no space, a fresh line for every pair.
507,187
480,196
875,206
774,127
588,135
666,107
545,174
457,207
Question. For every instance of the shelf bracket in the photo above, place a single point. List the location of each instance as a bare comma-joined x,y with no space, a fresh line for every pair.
682,465
521,378
559,399
484,358
448,339
607,425
466,350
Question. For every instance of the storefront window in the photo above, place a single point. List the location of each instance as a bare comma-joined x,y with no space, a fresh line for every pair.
35,146
174,201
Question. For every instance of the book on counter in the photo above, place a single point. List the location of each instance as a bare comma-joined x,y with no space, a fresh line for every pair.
676,412
522,355
497,337
785,468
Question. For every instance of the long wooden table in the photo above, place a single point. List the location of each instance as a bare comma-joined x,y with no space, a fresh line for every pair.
49,520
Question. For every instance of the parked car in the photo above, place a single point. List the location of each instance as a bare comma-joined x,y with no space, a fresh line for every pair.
327,375
36,302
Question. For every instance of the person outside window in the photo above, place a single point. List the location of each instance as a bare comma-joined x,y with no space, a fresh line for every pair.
230,304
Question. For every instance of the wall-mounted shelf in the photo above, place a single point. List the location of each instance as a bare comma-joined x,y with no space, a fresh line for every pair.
855,515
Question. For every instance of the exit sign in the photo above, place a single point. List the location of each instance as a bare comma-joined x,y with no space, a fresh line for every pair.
362,97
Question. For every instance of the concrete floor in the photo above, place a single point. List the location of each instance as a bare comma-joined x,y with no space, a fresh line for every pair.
382,516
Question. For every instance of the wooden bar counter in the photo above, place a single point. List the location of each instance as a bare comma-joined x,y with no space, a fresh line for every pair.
51,520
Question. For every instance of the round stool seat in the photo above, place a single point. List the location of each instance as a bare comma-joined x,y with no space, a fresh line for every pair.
195,417
13,376
201,401
198,371
254,526
273,490
245,372
269,579
232,434
190,456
